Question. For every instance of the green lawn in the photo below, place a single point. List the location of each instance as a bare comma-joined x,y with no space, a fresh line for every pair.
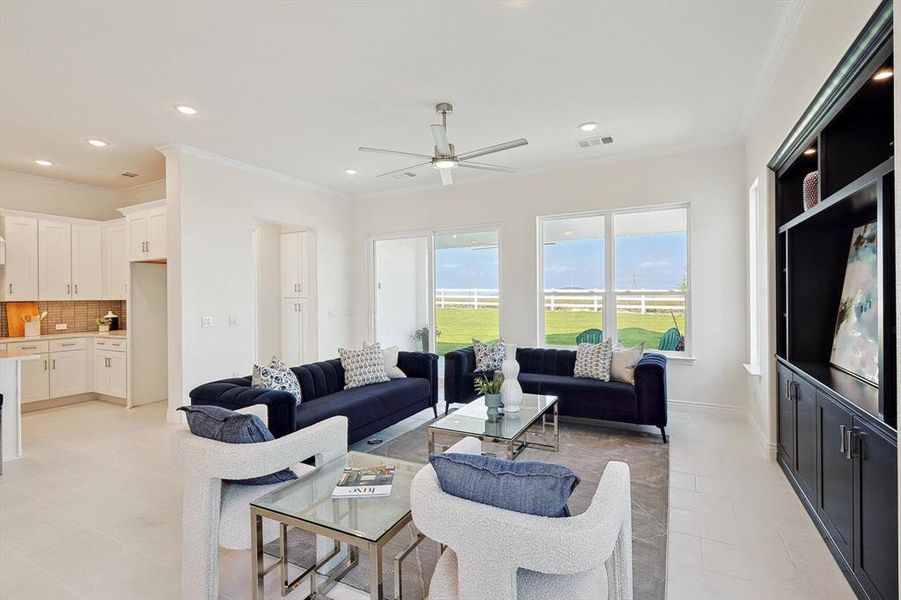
459,325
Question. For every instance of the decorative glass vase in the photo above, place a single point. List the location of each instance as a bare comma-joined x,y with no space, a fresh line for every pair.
511,392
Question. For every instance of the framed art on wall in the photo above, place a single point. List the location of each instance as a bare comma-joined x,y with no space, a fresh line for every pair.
855,345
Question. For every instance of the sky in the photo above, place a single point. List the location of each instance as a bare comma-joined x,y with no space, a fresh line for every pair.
642,262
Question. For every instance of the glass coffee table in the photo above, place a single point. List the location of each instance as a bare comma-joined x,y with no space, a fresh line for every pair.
367,523
512,430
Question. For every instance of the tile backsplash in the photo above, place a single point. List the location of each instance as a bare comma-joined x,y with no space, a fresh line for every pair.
79,315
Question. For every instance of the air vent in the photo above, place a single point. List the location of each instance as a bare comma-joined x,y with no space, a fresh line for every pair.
404,175
128,174
598,140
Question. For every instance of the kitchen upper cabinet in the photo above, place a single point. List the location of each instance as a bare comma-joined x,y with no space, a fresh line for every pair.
115,263
20,275
87,262
146,225
54,260
295,332
295,258
68,373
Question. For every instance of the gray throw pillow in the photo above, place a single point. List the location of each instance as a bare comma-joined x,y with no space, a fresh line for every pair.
534,488
223,425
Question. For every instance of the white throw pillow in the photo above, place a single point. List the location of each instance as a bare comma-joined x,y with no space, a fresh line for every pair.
391,368
276,376
622,367
593,360
364,366
490,356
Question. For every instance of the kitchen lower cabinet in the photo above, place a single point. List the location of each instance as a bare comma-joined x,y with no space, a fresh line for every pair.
295,331
36,379
805,398
110,373
835,500
68,373
786,416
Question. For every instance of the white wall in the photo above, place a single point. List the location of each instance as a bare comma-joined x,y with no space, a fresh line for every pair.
269,283
54,197
213,203
823,33
403,276
710,180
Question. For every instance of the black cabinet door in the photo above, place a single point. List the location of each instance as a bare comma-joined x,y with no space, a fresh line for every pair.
805,396
835,498
786,417
876,512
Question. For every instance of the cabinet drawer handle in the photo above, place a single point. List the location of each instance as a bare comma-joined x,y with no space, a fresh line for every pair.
76,288
841,447
68,288
849,436
54,364
45,365
10,288
29,347
69,344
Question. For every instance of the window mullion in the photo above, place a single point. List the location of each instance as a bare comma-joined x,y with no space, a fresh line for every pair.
609,278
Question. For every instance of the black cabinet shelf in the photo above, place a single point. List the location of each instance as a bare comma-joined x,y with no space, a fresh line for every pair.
856,198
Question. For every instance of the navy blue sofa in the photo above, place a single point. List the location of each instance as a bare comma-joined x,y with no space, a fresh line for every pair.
368,409
550,371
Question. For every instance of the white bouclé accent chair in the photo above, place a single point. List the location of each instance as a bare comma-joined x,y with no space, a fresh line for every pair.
504,555
217,513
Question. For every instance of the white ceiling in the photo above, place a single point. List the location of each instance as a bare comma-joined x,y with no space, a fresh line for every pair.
297,87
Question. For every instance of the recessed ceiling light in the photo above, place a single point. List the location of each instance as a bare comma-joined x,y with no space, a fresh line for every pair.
43,162
586,127
883,74
186,110
97,143
350,171
810,151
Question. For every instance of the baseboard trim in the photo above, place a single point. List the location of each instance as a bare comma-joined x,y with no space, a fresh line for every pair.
767,449
56,402
733,413
175,416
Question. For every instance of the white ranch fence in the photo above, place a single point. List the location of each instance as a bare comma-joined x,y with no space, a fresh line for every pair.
590,300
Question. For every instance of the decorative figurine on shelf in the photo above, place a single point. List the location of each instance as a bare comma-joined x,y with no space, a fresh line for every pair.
811,189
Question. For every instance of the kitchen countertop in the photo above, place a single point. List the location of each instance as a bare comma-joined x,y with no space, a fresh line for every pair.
17,355
62,336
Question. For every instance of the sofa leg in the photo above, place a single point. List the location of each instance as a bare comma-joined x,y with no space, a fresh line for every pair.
435,410
663,433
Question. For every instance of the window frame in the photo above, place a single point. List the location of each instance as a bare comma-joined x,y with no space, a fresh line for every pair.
609,319
754,248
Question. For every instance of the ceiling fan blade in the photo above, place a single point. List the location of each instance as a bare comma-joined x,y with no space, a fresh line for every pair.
485,167
446,178
405,169
492,149
441,143
398,152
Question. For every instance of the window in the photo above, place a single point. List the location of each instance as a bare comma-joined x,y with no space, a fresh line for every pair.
633,263
753,365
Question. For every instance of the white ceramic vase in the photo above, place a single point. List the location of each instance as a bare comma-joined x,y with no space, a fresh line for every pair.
511,392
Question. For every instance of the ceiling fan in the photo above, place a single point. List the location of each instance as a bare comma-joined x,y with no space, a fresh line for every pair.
445,158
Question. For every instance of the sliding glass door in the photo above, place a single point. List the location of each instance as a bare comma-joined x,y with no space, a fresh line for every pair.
403,281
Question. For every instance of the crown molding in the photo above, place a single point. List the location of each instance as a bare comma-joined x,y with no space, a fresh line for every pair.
169,150
58,182
141,186
781,38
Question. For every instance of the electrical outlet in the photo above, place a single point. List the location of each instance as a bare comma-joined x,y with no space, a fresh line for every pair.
206,321
62,326
232,320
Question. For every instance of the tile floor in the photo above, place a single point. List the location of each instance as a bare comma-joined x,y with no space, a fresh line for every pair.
93,511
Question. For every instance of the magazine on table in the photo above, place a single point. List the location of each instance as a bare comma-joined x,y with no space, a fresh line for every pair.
361,482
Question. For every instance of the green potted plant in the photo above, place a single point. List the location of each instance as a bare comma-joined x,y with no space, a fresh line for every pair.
103,324
491,389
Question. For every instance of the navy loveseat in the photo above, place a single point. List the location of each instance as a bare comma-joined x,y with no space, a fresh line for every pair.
368,409
550,371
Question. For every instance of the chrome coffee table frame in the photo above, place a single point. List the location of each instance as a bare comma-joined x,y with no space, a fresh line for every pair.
514,445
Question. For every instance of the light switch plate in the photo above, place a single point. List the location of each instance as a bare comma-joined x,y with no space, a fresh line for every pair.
62,326
232,320
206,321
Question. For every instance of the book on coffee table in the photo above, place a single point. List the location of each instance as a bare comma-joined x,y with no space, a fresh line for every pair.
360,482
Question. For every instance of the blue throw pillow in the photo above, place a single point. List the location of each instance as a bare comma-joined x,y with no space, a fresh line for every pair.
534,488
223,425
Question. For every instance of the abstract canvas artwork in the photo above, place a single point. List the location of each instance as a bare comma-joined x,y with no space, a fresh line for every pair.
855,346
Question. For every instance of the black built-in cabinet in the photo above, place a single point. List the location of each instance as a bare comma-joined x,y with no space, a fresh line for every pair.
837,433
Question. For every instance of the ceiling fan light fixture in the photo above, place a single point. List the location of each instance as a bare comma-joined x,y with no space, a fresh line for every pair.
590,126
444,162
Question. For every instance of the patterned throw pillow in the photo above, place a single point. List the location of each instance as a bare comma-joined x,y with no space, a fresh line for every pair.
276,376
593,360
363,366
489,356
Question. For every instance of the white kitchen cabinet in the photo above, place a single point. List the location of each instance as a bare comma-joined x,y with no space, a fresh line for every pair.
110,373
115,262
295,258
36,379
146,224
295,332
68,373
54,260
20,275
87,262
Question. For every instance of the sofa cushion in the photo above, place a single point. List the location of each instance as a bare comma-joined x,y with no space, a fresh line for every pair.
530,487
365,404
590,398
223,425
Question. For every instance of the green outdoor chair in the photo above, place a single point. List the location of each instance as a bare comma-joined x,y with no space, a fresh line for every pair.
670,339
590,336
